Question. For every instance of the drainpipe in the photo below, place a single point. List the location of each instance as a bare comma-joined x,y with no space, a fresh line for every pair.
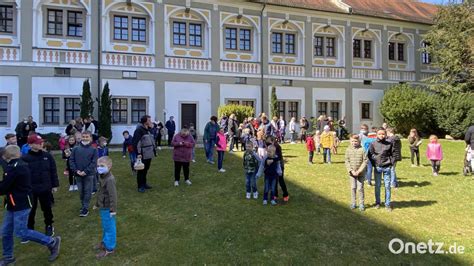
99,54
261,57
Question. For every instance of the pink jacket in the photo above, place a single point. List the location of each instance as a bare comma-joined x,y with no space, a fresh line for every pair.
182,152
222,143
434,152
62,143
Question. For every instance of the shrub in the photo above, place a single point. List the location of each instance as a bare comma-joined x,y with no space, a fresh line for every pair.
241,112
53,139
455,113
105,123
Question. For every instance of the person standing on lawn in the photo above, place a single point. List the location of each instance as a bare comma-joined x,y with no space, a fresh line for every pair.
469,138
71,143
183,144
232,128
16,186
250,163
381,153
127,146
397,154
11,140
292,130
210,137
221,143
271,168
144,146
356,163
44,181
327,142
310,146
434,153
281,178
415,142
171,128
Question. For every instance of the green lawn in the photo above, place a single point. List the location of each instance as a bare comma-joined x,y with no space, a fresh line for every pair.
211,222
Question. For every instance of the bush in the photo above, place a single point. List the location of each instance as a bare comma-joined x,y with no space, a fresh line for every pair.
53,139
241,112
105,114
455,113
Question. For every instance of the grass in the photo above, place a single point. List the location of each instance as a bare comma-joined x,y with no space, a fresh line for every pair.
211,222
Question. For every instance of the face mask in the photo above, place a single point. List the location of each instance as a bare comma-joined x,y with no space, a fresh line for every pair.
104,144
102,170
85,142
363,132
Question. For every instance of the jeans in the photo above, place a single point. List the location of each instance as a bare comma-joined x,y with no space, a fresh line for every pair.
311,154
436,166
251,182
158,139
133,157
209,146
385,171
177,170
415,152
393,176
292,136
141,175
357,186
85,189
194,153
220,159
368,175
45,203
170,137
327,155
109,230
270,186
15,222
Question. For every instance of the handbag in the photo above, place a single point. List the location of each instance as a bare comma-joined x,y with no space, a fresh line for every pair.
139,164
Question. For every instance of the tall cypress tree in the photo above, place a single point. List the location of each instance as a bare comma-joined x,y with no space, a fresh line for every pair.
105,113
87,104
274,103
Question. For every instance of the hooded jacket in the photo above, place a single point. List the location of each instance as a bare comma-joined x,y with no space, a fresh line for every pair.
16,186
83,158
107,194
43,171
381,153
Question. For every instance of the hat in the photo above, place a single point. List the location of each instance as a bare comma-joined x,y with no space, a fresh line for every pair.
35,139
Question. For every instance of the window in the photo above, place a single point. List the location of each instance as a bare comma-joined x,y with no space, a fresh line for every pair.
195,36
179,33
62,72
391,51
367,49
6,19
318,46
356,48
121,28
241,80
51,110
277,43
328,108
366,112
74,24
287,82
330,46
3,110
288,109
119,110
322,108
396,51
335,110
281,109
139,29
233,102
401,51
248,103
241,102
425,56
72,109
289,43
231,38
293,109
245,40
129,74
138,109
55,22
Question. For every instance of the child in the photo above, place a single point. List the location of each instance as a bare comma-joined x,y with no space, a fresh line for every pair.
356,162
317,141
221,144
261,145
245,138
83,161
107,204
336,142
327,142
281,178
250,164
192,132
292,129
102,149
270,165
415,142
366,141
434,153
310,147
397,154
71,143
62,141
127,146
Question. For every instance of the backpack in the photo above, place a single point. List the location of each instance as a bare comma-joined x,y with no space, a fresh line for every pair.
146,145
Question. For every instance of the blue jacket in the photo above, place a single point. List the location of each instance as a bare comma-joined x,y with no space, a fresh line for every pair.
171,126
101,152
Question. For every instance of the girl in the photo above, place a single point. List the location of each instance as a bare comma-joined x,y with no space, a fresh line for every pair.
261,146
292,129
310,147
434,153
317,141
221,144
327,142
415,142
71,142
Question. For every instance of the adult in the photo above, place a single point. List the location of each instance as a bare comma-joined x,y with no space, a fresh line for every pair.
144,146
159,132
232,128
331,124
223,122
96,124
322,121
292,130
469,138
88,126
341,129
11,140
266,125
70,129
22,129
183,144
210,137
281,129
44,181
171,128
16,186
275,127
304,125
79,124
32,124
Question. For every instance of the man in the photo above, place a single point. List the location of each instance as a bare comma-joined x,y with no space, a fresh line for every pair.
11,140
171,127
21,130
210,137
44,181
32,125
16,186
144,146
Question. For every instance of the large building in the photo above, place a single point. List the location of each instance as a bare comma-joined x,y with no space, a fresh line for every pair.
187,57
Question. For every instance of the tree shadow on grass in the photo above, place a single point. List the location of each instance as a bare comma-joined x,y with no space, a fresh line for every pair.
413,183
449,173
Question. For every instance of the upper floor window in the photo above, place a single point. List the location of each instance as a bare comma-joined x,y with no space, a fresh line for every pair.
396,51
289,43
362,48
425,56
237,39
187,34
277,43
139,29
283,40
74,23
319,46
124,25
356,48
64,23
179,33
231,38
55,22
6,19
4,110
324,46
367,49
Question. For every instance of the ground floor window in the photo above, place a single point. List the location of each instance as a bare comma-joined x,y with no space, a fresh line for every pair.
366,110
59,110
329,108
51,110
245,102
289,109
120,109
72,109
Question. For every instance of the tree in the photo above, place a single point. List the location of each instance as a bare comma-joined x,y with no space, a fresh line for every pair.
450,43
87,104
274,103
455,113
105,113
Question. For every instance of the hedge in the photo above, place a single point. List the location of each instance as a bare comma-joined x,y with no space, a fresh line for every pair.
240,111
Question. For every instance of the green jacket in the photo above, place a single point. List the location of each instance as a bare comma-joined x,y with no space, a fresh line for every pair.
207,130
107,194
356,160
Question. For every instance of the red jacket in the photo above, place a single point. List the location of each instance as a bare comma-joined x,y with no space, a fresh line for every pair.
310,144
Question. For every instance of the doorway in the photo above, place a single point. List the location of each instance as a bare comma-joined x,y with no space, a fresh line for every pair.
188,114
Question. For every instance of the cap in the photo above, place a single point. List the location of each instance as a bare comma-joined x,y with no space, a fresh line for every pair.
35,139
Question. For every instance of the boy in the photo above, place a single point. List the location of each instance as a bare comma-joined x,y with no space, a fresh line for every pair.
127,146
83,162
397,154
270,165
366,141
102,150
310,147
356,163
327,142
250,164
107,203
11,140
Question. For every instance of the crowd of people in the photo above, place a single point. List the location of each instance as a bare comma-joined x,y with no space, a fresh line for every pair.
30,176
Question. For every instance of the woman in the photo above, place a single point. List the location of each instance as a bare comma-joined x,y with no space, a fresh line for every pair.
232,128
183,144
70,129
210,136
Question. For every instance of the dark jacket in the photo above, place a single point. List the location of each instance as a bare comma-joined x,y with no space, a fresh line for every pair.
127,145
43,171
381,153
107,194
83,158
210,131
16,186
143,142
397,148
170,126
140,131
469,138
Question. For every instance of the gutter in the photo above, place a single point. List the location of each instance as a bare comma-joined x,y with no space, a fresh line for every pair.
99,55
261,57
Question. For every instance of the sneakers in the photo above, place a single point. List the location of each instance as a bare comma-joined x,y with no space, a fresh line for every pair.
141,190
286,199
176,183
104,253
148,187
255,195
7,261
361,207
49,230
54,248
273,202
84,213
188,182
377,206
71,188
435,174
265,202
369,183
76,188
247,196
193,161
388,208
222,170
210,162
353,206
25,241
